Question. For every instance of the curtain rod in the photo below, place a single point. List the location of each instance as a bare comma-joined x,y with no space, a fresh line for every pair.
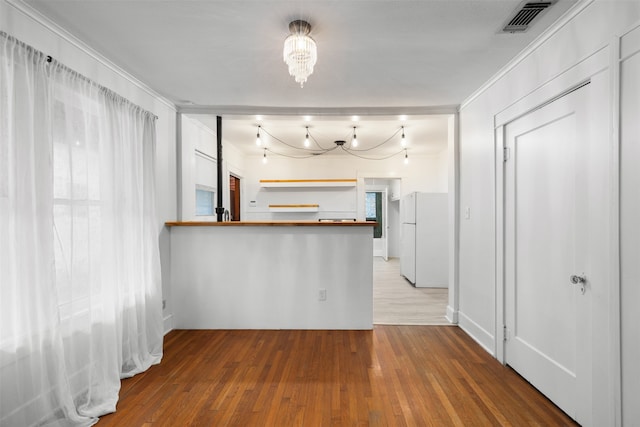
50,60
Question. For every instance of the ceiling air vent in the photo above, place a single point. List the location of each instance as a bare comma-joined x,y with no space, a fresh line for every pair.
524,15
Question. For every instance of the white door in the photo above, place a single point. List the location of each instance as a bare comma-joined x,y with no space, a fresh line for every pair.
554,179
408,252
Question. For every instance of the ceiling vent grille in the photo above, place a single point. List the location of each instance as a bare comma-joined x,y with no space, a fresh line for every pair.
523,17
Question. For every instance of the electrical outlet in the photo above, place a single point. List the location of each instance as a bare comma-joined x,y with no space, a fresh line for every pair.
322,294
467,213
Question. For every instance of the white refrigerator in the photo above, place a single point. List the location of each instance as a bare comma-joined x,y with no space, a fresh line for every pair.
424,252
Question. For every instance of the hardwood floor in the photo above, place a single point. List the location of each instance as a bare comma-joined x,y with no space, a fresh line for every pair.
397,302
391,376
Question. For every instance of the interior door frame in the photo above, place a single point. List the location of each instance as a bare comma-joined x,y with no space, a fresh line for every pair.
239,183
232,170
575,77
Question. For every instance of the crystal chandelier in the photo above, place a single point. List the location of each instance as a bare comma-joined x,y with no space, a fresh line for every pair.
300,51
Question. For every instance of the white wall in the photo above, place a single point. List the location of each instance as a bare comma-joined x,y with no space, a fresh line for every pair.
421,174
199,137
630,224
196,138
442,172
595,27
47,38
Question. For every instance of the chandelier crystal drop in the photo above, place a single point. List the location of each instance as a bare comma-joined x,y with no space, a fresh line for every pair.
300,52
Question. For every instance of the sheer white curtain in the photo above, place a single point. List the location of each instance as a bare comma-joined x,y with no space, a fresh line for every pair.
80,300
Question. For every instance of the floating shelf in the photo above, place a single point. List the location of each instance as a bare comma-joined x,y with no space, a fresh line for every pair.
294,208
290,183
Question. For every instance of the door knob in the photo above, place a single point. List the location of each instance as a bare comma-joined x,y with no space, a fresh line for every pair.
579,280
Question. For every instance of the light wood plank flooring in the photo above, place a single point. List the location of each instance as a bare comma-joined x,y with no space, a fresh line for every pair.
391,376
397,302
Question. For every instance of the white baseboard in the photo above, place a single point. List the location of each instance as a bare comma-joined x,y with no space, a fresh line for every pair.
479,334
452,315
168,324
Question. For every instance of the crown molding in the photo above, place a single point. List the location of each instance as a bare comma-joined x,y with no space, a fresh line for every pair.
541,39
250,110
30,12
197,123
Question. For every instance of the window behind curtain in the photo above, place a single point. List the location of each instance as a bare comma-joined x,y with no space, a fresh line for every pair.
4,165
80,287
76,205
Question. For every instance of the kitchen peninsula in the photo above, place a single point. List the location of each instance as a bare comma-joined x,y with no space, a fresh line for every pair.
272,275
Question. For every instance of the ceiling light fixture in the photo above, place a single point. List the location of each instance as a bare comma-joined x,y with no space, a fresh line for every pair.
258,139
306,138
372,152
403,140
406,157
300,52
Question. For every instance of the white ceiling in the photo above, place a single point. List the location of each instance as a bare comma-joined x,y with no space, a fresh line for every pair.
225,56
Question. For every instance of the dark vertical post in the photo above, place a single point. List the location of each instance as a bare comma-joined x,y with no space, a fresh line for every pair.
219,208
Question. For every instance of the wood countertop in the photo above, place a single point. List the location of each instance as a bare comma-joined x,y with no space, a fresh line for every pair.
323,223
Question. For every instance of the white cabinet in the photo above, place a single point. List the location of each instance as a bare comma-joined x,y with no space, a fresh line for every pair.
395,191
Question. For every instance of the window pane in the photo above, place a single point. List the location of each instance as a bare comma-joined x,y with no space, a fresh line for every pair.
371,205
204,202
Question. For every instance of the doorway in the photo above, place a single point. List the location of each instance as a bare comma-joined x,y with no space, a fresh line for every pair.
376,210
556,160
234,198
380,202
